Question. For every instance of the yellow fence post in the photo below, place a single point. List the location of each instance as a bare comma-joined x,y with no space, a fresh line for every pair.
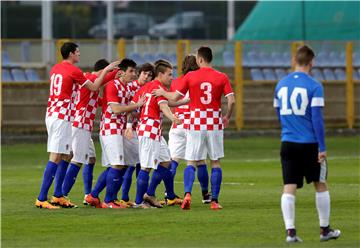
181,51
121,48
239,86
350,108
59,43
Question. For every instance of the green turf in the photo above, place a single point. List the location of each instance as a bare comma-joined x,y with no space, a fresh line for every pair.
250,195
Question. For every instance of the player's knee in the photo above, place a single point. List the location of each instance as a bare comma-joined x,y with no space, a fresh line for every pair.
320,187
215,163
290,189
68,157
118,167
201,162
165,164
55,157
146,169
92,160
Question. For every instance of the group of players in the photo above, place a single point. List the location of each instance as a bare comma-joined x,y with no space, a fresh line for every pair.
133,104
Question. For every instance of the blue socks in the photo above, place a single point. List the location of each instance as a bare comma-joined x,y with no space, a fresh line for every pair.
100,183
49,174
70,178
59,178
88,177
173,167
203,177
138,168
141,185
168,181
189,177
155,181
114,180
216,177
127,183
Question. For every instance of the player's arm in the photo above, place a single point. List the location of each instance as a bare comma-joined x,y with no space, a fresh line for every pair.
98,81
117,108
317,119
277,107
167,112
171,96
179,103
230,108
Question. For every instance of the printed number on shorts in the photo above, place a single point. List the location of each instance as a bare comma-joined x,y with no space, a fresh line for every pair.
206,87
148,99
297,110
55,84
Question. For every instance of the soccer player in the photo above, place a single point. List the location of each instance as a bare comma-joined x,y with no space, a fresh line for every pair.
131,145
205,134
299,100
65,77
82,145
154,153
115,105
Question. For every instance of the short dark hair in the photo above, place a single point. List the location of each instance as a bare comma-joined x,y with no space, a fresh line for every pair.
205,53
161,67
304,55
189,64
126,63
67,48
100,64
147,67
160,61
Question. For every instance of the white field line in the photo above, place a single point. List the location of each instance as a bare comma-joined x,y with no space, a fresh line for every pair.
278,159
253,184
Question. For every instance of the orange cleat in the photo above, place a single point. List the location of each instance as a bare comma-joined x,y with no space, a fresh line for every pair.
45,204
186,202
111,205
93,201
63,202
215,206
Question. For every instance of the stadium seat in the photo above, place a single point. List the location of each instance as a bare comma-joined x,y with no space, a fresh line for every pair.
329,75
137,58
6,76
162,56
18,75
5,58
265,59
25,51
256,75
149,57
32,75
276,59
356,59
269,74
317,74
322,59
173,59
356,75
286,59
255,59
340,74
280,73
228,58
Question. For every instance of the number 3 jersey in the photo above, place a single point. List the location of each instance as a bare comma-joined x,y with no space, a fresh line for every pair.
64,81
295,96
206,87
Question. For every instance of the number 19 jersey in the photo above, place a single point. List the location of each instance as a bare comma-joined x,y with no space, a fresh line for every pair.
295,96
206,87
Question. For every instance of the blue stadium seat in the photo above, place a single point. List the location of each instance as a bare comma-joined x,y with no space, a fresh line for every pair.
317,74
256,75
32,75
356,75
162,56
265,59
5,58
286,59
136,57
329,75
25,51
276,59
18,75
5,75
149,57
173,58
269,74
340,74
280,73
356,59
228,58
322,59
254,59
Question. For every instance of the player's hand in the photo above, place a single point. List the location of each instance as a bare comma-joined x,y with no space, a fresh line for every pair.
225,121
134,115
112,66
321,156
176,120
141,101
128,133
158,92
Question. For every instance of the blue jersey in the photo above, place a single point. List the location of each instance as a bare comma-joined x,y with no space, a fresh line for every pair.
296,95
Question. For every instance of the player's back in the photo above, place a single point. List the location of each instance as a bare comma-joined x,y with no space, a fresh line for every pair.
295,95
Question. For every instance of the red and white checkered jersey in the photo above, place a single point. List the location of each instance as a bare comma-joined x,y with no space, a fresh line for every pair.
64,80
150,115
111,123
87,103
206,87
133,87
183,111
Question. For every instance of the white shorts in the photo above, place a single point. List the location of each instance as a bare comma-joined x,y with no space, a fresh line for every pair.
82,145
131,150
112,147
59,135
153,152
177,142
202,143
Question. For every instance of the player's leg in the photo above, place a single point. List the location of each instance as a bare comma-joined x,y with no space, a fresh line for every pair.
203,177
89,169
177,146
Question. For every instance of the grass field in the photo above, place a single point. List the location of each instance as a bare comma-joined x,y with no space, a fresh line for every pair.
250,195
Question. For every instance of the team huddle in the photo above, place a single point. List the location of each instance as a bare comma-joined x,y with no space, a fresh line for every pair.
133,105
134,101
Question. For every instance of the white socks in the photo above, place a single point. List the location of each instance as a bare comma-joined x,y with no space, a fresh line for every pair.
323,207
288,210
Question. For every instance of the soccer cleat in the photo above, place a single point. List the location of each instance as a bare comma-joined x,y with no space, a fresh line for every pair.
291,236
152,201
215,206
327,233
111,204
128,203
84,201
175,201
142,205
121,204
206,198
186,202
45,204
93,201
63,202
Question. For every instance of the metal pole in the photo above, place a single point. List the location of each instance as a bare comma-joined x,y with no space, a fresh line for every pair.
230,19
46,31
109,29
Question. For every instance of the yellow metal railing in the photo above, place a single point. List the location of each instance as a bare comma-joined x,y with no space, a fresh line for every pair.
239,86
183,48
350,103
